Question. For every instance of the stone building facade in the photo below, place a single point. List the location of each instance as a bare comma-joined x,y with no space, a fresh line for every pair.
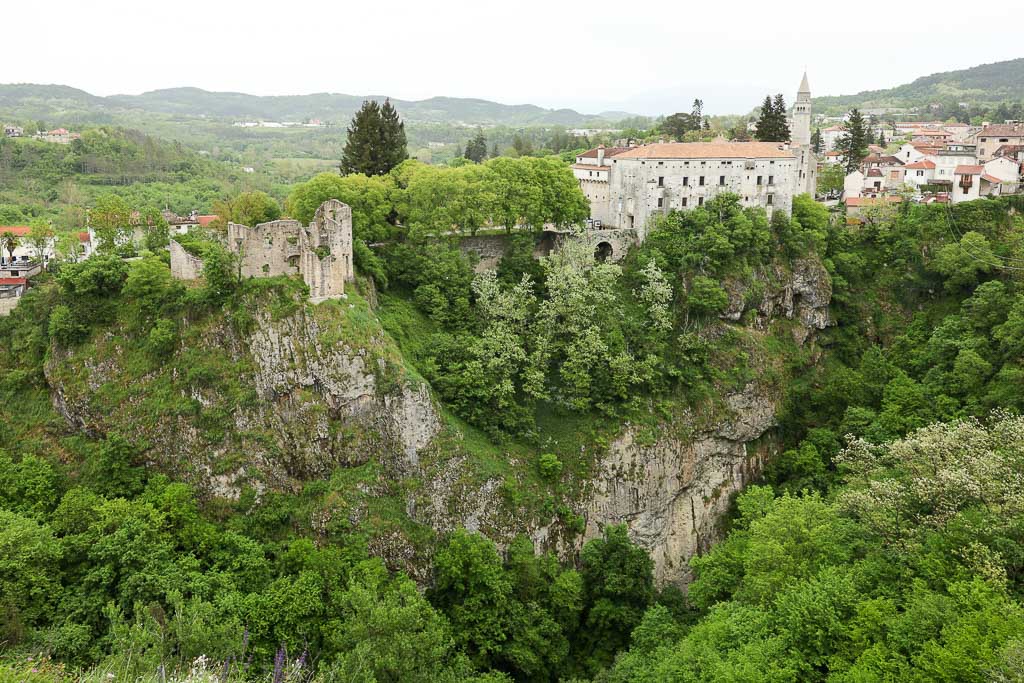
321,253
626,187
652,179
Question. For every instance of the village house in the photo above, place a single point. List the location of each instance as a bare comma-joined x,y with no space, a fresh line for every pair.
1007,170
971,182
13,131
919,173
14,279
991,137
181,225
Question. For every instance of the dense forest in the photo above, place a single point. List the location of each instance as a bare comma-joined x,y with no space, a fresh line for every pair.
882,544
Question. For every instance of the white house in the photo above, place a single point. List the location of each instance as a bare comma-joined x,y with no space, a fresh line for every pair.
1004,168
908,153
919,173
853,185
967,184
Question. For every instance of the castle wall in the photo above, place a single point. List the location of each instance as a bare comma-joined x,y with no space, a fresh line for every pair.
184,266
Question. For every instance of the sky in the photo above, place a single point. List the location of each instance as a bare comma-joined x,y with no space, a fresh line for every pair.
651,57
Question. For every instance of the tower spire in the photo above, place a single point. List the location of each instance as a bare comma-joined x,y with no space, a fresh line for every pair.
804,86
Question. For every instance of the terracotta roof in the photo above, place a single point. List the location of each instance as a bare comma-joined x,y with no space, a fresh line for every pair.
83,237
969,169
990,178
12,280
833,153
591,167
1015,129
19,230
924,163
871,201
933,133
708,150
1008,149
874,173
206,220
608,152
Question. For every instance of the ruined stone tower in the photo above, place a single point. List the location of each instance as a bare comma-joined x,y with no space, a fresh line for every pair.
320,253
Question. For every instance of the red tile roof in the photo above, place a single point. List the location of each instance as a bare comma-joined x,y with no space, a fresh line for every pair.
998,129
83,237
19,230
990,178
608,152
708,150
12,280
969,169
206,220
924,163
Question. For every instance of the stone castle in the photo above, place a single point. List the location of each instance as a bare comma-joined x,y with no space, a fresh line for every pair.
320,253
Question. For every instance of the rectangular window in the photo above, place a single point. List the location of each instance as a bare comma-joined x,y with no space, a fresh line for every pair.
771,199
682,202
771,180
661,202
721,180
700,181
759,178
700,201
686,180
661,181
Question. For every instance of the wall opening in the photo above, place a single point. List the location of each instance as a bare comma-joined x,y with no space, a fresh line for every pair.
603,252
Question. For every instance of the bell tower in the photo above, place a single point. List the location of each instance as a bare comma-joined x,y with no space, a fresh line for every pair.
801,132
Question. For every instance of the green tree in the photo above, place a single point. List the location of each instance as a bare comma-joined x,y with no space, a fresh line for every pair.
111,220
771,125
619,587
376,140
476,148
248,208
853,143
817,144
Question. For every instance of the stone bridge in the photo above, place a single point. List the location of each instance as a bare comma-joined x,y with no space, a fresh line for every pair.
608,244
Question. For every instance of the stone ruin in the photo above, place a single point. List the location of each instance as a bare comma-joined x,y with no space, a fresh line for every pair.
320,253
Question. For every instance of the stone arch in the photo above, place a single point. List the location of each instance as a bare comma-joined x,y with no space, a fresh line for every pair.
604,251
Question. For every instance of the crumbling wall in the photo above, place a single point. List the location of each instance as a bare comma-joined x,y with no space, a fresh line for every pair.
321,253
184,266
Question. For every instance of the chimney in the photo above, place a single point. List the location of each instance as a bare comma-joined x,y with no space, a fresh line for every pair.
600,155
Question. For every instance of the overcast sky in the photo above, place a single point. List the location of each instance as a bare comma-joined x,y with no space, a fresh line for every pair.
647,57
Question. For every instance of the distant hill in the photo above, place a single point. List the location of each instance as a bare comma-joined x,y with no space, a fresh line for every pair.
987,83
69,104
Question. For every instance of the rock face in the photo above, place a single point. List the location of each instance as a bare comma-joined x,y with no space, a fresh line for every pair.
315,392
305,403
673,492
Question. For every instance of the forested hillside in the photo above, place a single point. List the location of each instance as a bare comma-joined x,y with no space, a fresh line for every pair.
220,479
50,101
987,84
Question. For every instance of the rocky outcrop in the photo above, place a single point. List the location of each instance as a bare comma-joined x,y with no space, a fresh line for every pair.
672,493
800,293
306,401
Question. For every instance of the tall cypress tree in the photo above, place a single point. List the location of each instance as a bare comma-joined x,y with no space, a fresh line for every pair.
781,125
853,145
816,141
772,126
763,129
393,140
376,140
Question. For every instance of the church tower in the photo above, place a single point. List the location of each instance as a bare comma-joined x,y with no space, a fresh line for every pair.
801,132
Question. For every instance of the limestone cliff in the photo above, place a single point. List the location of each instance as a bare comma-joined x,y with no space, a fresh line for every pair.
282,393
269,401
